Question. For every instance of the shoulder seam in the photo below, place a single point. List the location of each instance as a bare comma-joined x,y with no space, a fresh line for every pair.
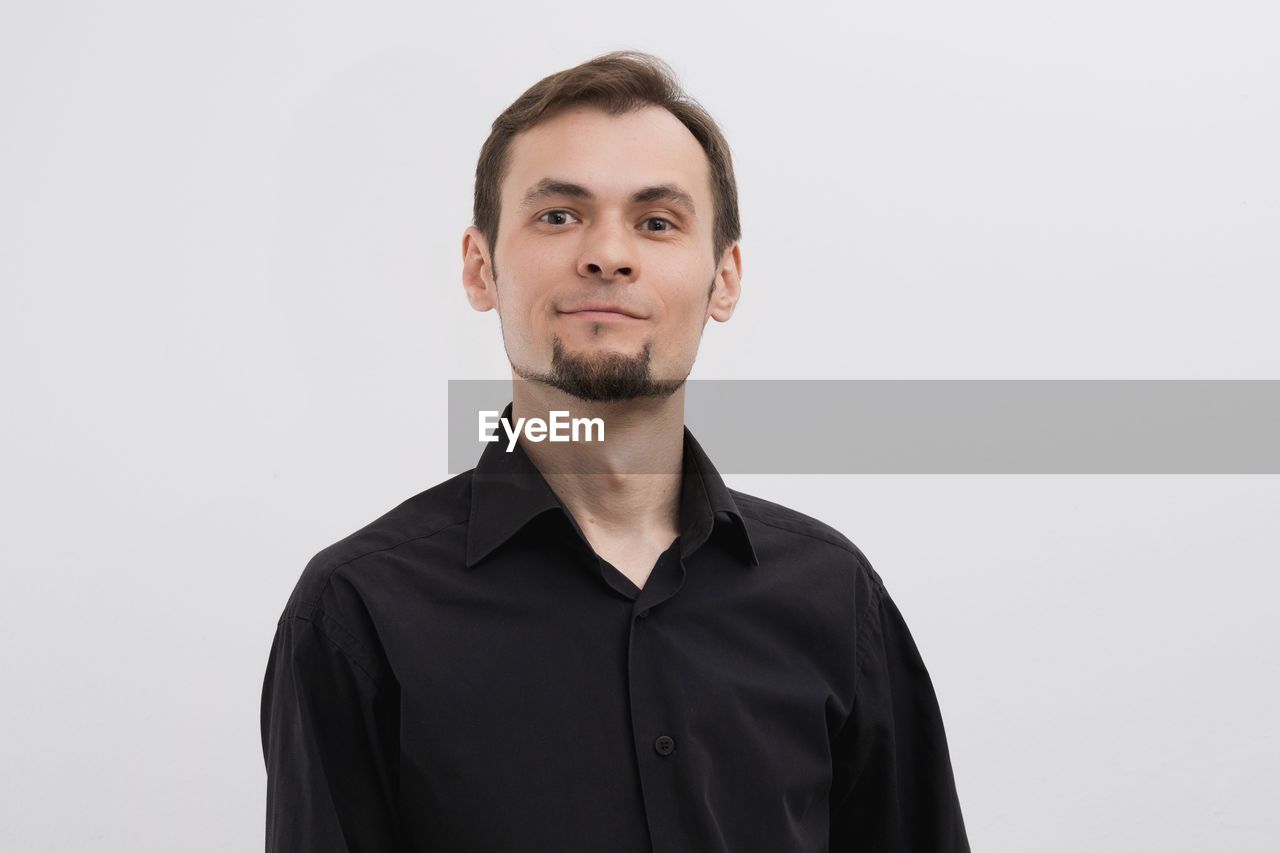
829,541
877,595
331,570
324,625
314,608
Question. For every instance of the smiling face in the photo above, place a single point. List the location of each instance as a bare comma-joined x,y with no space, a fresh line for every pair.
603,275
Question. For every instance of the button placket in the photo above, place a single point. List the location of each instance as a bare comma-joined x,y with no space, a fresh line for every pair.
651,710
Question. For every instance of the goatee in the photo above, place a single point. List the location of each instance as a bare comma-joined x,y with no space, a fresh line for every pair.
604,377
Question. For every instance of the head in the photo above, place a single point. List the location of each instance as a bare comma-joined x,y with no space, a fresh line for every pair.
604,186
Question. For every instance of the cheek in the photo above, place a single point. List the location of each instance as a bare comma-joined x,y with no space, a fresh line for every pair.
546,258
693,296
685,317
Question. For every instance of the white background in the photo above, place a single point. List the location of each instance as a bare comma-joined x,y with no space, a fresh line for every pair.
230,249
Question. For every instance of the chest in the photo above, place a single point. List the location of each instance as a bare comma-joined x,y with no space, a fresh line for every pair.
635,559
635,567
562,692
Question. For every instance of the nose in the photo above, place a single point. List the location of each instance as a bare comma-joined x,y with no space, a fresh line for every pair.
607,253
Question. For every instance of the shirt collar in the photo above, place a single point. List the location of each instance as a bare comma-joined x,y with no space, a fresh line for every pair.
508,491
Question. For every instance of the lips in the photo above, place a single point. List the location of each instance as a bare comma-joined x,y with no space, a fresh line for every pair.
604,309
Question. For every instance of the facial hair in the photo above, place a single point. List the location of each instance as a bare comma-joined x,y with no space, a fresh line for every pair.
601,377
606,377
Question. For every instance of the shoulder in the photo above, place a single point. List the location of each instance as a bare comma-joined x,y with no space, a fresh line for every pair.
427,514
794,532
792,522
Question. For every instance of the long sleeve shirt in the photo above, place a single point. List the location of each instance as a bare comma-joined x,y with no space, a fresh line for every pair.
465,674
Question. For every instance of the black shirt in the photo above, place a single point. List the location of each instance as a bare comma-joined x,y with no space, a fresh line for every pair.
465,675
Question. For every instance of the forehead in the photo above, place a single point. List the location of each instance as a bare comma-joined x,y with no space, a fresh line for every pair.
611,155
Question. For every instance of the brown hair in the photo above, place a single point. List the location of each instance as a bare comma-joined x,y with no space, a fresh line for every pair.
618,82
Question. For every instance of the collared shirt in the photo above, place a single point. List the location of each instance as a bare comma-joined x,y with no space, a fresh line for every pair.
465,674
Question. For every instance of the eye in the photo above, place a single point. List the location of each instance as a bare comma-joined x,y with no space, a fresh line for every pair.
668,222
542,217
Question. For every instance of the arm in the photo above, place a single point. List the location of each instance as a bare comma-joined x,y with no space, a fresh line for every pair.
330,742
892,787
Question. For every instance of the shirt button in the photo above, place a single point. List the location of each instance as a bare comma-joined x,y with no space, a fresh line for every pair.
642,613
664,745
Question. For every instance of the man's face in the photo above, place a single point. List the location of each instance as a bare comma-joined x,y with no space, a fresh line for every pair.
610,212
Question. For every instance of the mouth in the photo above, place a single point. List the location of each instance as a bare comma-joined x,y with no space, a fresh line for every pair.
603,311
594,314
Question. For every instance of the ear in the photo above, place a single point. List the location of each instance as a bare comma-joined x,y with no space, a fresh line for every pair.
477,271
728,284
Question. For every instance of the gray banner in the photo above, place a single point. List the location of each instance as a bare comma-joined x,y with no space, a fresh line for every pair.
952,426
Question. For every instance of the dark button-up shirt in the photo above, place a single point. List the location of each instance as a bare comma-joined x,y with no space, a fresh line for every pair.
465,674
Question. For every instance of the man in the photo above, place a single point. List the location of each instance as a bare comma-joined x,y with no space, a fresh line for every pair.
598,646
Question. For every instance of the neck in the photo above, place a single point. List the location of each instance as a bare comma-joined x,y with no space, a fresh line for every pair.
625,486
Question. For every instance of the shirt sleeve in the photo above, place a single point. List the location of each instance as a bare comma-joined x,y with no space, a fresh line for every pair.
330,742
892,785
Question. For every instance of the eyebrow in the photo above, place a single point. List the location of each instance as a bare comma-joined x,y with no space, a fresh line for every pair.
549,187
